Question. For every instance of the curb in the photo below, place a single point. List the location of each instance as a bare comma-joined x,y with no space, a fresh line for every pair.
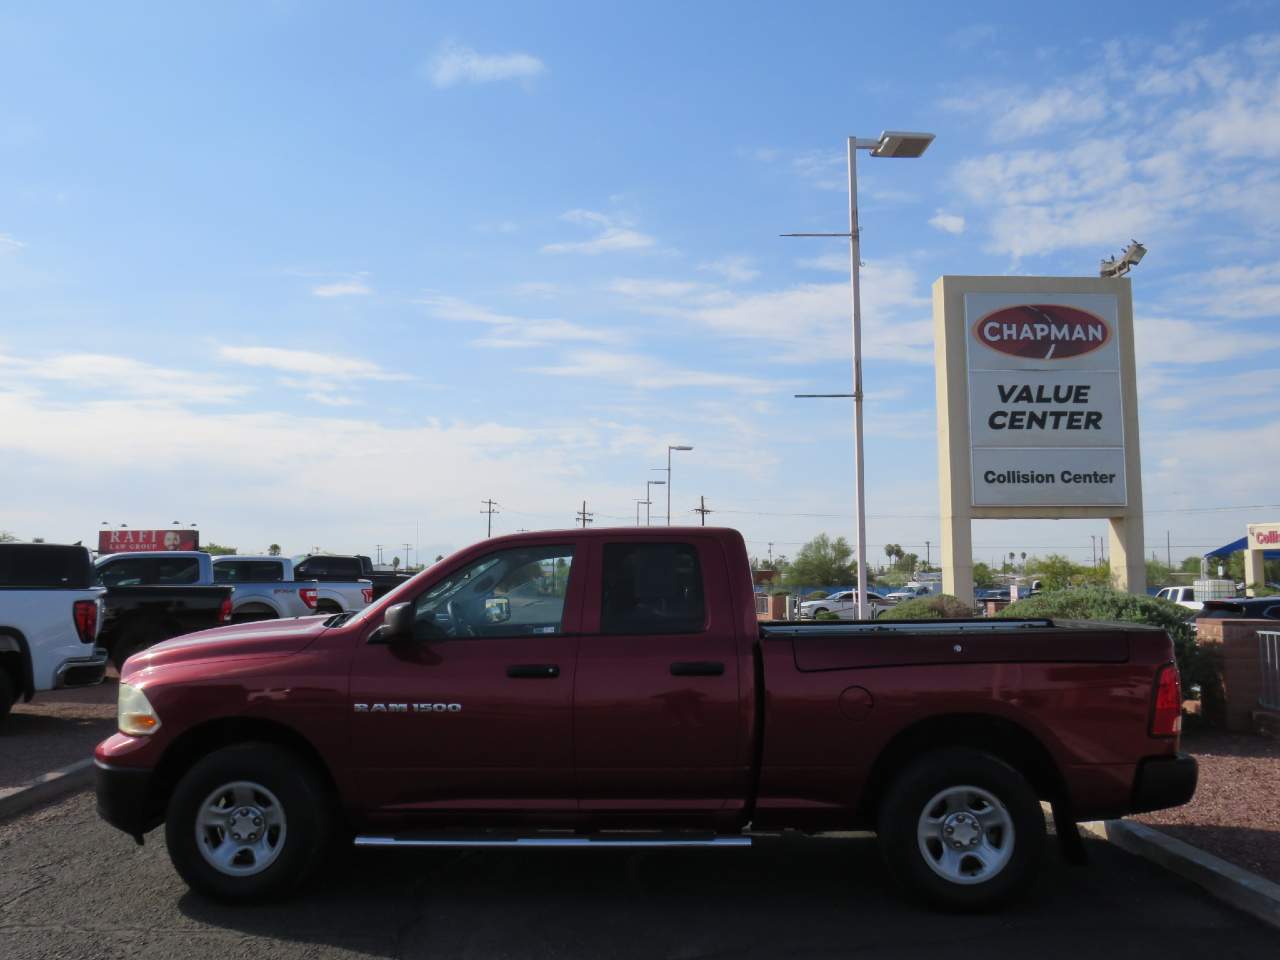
1241,889
49,786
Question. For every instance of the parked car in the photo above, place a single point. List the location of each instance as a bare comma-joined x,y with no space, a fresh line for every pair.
1182,596
1250,608
912,591
844,604
265,588
342,584
50,612
153,596
609,688
384,581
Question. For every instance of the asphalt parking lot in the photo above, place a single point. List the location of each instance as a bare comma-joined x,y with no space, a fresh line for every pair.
72,887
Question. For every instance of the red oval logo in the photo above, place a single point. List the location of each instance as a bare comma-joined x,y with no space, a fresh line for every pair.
1042,331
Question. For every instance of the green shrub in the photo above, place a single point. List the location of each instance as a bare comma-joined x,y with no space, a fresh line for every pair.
941,606
817,595
1198,666
825,615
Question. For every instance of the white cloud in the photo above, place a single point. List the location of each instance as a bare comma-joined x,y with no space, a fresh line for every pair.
308,362
650,289
1055,107
455,64
827,262
511,331
108,375
9,244
647,373
343,288
612,235
1177,341
947,222
735,269
811,321
1240,291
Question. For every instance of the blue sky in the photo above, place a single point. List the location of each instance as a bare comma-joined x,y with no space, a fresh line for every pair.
321,275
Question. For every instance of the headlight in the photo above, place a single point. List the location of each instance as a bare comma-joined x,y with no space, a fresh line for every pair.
134,713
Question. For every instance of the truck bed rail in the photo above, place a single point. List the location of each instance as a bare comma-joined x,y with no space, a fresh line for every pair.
784,628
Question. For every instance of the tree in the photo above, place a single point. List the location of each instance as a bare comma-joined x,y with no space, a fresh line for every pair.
7,537
982,576
909,562
273,550
395,563
218,550
824,562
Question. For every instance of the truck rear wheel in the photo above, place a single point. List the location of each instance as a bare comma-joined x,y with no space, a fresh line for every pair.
962,830
8,693
249,822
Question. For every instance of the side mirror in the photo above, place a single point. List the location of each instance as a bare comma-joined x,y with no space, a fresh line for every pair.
397,623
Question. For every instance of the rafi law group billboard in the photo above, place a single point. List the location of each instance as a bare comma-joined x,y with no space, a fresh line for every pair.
136,541
1046,410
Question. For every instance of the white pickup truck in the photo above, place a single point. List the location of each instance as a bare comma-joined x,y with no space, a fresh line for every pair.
1182,596
844,604
265,588
50,612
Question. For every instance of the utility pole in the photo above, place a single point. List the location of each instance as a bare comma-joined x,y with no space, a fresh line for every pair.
407,563
379,554
1168,551
489,504
1093,545
584,516
927,555
770,553
703,509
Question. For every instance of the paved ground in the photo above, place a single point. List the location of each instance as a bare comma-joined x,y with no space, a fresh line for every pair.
55,729
1235,813
71,887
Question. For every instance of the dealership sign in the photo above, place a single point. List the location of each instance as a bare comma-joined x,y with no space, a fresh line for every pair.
135,541
1264,536
1046,414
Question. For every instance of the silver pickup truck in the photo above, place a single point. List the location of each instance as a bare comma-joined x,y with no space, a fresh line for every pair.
266,589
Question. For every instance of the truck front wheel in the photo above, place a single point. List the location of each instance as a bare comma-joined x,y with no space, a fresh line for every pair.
248,822
962,829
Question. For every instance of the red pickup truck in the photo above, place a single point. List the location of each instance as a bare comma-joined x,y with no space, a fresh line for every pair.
614,688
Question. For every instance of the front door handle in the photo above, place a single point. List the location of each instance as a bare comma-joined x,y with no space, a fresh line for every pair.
534,671
697,668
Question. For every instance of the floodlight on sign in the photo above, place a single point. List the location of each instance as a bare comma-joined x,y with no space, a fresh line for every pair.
896,143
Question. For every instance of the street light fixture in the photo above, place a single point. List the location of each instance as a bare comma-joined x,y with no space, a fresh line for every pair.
899,145
648,497
1130,257
669,449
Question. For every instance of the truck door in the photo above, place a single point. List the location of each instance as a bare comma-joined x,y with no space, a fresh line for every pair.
659,730
471,721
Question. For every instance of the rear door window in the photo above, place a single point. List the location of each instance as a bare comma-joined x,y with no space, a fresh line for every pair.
652,588
248,571
40,565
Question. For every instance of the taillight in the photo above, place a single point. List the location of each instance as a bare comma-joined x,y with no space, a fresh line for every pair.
1166,712
85,614
224,611
309,596
367,593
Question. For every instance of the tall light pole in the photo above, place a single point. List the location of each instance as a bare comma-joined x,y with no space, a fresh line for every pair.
638,505
890,144
648,497
669,449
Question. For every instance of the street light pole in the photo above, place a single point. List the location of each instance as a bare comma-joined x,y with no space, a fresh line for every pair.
890,144
669,449
648,496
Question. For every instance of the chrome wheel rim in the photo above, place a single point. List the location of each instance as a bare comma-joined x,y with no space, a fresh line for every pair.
240,828
965,835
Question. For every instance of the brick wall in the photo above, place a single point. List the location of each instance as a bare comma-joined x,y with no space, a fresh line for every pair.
1236,643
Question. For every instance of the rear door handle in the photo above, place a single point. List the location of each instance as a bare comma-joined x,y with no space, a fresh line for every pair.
697,668
534,671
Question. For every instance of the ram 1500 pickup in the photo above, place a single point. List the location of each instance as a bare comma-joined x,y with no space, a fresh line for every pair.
614,688
50,611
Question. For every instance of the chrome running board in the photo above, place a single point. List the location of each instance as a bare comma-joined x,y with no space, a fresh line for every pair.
568,841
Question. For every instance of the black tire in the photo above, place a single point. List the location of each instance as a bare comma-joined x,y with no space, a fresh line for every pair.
952,773
307,821
8,694
134,638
